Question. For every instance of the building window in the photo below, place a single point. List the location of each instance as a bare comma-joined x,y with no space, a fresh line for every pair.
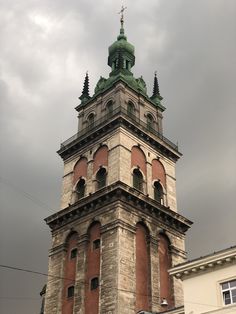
94,283
150,122
138,180
91,120
73,253
70,292
96,244
101,178
158,192
109,108
80,188
130,109
229,292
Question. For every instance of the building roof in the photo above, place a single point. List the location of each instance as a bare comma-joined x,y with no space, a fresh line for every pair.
204,263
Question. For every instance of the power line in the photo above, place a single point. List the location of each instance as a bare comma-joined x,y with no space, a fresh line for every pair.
34,272
58,277
26,194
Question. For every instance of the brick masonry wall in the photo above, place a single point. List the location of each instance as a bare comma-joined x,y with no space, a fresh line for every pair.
118,260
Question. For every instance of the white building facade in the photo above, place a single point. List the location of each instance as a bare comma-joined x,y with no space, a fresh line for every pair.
209,283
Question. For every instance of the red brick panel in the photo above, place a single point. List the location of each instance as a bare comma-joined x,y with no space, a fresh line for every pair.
100,158
92,271
142,269
69,275
138,159
166,289
80,169
158,172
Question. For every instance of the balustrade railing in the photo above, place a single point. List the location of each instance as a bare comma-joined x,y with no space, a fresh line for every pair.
120,111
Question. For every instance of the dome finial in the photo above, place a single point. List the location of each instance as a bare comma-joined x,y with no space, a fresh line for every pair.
122,19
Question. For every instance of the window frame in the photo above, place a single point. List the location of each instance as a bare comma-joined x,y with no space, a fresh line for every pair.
228,289
96,244
101,183
73,292
80,193
73,250
155,191
138,185
92,285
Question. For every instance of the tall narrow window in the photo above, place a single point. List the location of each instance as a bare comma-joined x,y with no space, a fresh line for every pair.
70,292
80,188
158,192
138,180
91,120
94,283
130,109
109,108
101,178
150,122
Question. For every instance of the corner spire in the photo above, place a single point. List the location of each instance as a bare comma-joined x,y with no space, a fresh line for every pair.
85,93
156,91
156,97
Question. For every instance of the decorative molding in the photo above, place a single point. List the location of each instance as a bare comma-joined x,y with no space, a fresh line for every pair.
202,264
121,193
58,249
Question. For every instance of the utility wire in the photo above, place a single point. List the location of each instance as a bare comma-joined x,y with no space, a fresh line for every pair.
33,272
58,277
26,194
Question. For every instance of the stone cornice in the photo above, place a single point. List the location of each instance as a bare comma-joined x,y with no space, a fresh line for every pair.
124,194
57,249
116,224
215,260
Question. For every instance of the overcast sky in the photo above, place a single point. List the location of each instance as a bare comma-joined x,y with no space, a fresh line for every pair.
45,49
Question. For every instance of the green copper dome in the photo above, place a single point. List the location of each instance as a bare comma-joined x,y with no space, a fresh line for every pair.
123,44
121,51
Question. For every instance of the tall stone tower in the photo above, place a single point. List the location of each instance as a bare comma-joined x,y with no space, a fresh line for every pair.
118,231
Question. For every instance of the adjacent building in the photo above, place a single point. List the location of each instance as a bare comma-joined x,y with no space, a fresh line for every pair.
209,283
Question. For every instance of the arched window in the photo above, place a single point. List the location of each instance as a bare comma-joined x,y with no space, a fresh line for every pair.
158,192
138,180
109,108
130,109
91,120
101,178
150,122
80,188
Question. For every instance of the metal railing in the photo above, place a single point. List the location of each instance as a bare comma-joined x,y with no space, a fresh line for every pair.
120,111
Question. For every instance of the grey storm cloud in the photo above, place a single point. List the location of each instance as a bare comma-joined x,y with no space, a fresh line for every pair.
46,48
